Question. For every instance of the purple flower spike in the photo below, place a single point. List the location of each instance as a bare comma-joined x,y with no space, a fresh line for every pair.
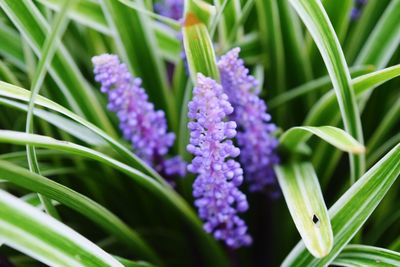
254,127
143,126
218,198
175,166
170,8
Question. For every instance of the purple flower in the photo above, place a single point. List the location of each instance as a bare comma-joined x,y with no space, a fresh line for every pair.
174,166
358,6
170,8
255,139
143,126
218,198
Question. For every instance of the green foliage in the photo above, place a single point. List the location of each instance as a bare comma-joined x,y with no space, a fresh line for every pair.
320,71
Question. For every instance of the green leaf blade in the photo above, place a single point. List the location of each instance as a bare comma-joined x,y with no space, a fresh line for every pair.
42,237
361,255
351,211
295,136
316,20
303,196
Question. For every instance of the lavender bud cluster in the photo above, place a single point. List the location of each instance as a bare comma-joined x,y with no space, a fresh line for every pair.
170,8
255,139
140,123
218,198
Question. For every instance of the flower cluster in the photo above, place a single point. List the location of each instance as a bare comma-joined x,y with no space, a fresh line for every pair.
140,123
218,198
255,130
356,11
170,8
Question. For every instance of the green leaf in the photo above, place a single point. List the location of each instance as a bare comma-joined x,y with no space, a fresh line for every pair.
363,28
198,47
386,146
11,46
87,207
361,255
11,91
47,52
327,104
295,136
312,86
38,235
7,74
165,193
203,11
323,161
317,22
139,7
303,196
89,13
30,22
229,14
62,123
293,42
339,16
243,15
353,208
384,40
273,48
389,121
129,263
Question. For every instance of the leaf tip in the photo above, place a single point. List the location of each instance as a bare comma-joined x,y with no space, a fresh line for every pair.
191,19
360,149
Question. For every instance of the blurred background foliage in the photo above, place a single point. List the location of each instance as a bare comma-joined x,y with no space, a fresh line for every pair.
277,48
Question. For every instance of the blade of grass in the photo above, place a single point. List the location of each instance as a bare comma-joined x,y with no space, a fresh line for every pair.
89,13
165,193
140,8
377,153
362,84
34,28
272,43
220,6
295,136
317,22
353,208
243,15
48,50
88,208
378,49
7,75
61,123
339,15
326,160
389,120
34,233
293,42
303,196
10,46
11,91
319,84
363,28
197,42
384,40
361,255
